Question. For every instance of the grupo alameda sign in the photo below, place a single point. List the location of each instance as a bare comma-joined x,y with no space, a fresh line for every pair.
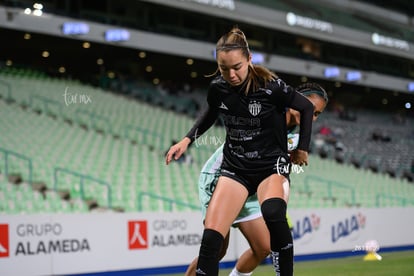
46,238
38,239
62,244
161,233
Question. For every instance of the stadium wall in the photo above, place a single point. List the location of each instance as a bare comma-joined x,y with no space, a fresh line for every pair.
50,24
155,243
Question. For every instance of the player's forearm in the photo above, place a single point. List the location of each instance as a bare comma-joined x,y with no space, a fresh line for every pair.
203,123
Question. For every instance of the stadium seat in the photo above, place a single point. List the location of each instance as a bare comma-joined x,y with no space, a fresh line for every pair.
133,169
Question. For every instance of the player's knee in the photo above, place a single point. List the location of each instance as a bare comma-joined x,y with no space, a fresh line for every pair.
222,252
211,244
274,210
260,253
260,248
224,247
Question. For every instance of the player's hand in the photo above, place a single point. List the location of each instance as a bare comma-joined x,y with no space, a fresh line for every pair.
177,150
299,157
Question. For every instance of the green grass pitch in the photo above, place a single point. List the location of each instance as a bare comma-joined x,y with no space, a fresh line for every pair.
399,263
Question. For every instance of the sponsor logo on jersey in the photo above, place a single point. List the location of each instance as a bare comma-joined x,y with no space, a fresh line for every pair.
223,106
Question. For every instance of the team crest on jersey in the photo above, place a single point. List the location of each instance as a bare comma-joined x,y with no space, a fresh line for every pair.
254,108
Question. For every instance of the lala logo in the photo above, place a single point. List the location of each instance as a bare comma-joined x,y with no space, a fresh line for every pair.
306,226
4,240
137,234
347,227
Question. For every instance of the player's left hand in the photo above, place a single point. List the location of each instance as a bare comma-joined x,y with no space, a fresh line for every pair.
177,150
299,157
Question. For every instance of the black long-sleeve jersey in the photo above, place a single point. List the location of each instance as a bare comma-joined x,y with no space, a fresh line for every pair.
255,123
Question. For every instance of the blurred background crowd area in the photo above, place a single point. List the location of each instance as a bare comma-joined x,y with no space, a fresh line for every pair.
86,117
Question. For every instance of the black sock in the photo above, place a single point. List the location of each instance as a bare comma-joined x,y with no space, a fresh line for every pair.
208,259
281,242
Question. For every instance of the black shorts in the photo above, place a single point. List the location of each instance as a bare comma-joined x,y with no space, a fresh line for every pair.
251,181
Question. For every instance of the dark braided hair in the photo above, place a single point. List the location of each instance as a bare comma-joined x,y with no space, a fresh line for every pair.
312,88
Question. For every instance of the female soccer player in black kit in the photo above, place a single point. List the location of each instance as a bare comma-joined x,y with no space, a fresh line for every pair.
252,102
